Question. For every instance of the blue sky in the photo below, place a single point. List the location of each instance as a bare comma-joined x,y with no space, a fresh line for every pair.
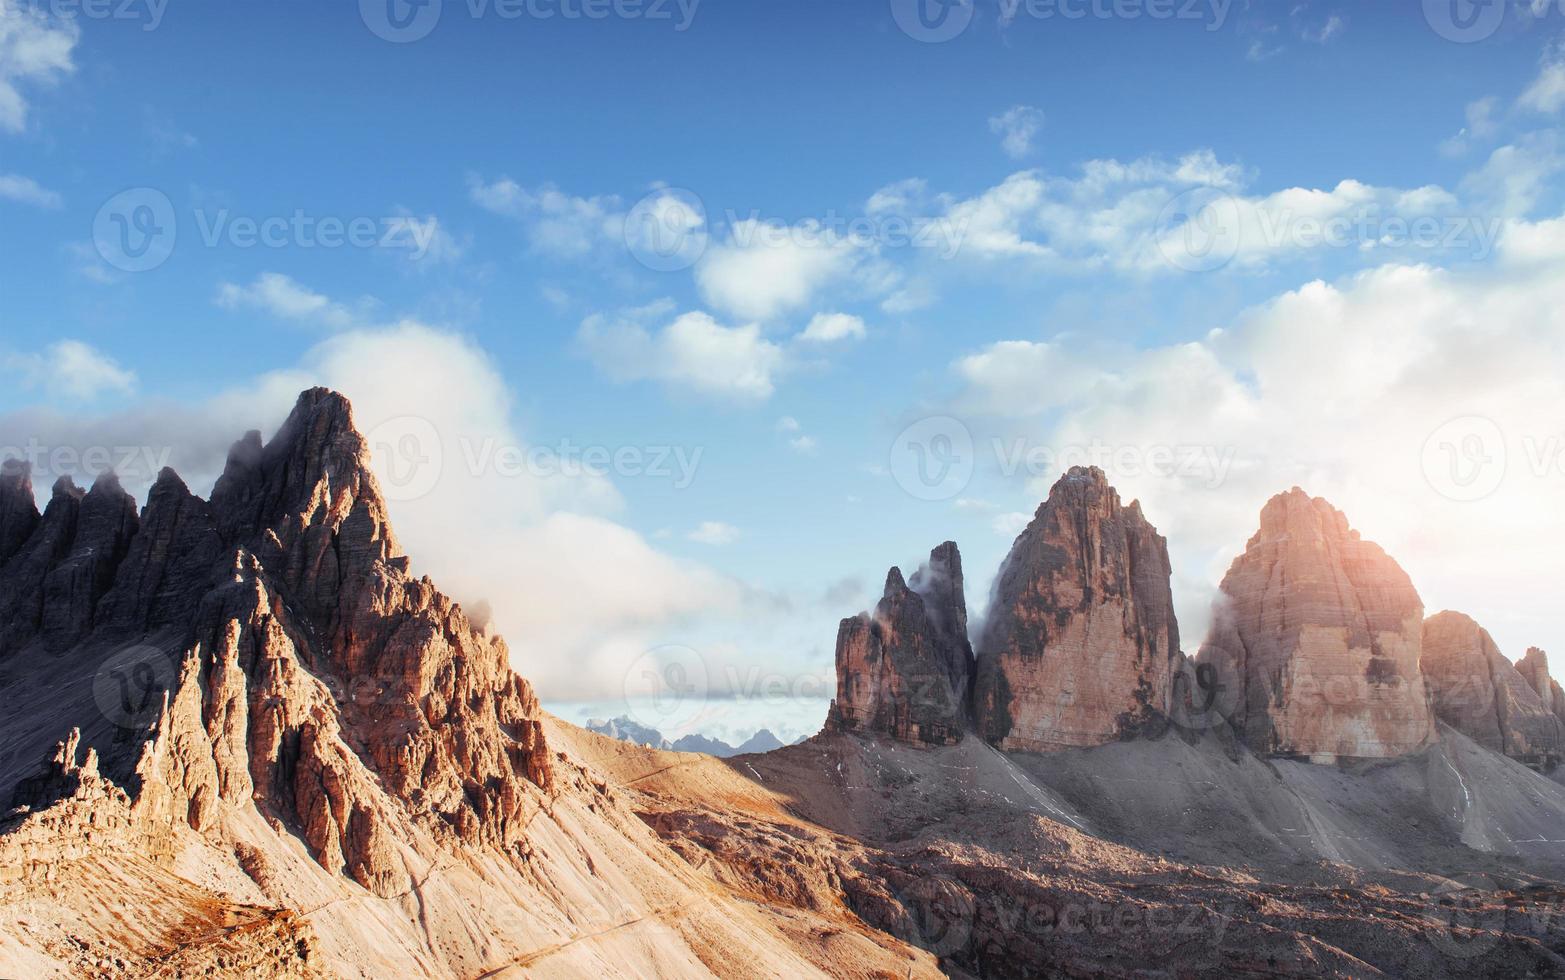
1051,168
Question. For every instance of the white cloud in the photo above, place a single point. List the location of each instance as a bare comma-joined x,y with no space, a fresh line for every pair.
827,328
1333,27
279,295
1338,388
25,190
1016,127
1546,93
714,533
763,270
692,353
35,50
1482,124
558,224
1010,525
71,369
1515,178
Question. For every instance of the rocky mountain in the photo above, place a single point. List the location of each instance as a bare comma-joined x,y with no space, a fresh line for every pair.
1534,668
901,670
1081,641
1484,696
626,729
237,736
1318,636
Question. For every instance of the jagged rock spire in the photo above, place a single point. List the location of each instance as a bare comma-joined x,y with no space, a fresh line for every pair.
1482,695
904,670
1081,639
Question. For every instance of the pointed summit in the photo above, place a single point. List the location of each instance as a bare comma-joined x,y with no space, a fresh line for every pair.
18,510
1321,633
904,670
1484,696
1081,638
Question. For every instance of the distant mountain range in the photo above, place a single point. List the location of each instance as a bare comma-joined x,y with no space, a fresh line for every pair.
626,729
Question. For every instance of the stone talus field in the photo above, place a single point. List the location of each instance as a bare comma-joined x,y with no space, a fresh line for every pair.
1319,634
1081,642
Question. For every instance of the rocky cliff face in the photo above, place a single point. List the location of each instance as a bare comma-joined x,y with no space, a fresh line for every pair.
1321,632
1482,695
1534,668
1081,640
268,646
903,670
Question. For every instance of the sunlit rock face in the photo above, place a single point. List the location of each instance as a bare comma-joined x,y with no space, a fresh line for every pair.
1534,668
1482,695
282,657
905,669
1319,634
1081,639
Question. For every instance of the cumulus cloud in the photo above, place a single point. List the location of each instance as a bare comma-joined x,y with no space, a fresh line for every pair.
714,533
35,50
1546,93
70,369
1353,390
693,352
558,224
827,328
1016,127
25,190
282,296
764,270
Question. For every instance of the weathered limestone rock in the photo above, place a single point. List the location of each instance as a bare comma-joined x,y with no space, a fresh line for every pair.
1081,640
1482,695
1534,668
904,670
1321,631
288,659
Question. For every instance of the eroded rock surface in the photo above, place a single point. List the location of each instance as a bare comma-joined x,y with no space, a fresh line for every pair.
1483,695
1082,640
903,670
1319,634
